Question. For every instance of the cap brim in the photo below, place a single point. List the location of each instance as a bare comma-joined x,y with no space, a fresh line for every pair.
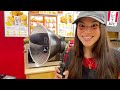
96,18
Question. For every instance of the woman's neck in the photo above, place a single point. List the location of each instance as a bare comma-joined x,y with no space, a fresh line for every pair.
87,52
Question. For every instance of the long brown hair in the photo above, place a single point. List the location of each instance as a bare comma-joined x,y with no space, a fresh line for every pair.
106,65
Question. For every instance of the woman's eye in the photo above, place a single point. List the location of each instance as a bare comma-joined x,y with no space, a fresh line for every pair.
94,26
81,25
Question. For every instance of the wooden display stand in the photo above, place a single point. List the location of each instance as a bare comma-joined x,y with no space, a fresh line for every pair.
46,71
41,73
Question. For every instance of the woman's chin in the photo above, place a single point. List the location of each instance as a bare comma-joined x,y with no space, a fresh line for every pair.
88,44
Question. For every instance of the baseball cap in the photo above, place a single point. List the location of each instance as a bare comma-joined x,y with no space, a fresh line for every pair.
97,15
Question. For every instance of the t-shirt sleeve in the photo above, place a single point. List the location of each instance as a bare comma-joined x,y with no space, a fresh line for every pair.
117,56
118,59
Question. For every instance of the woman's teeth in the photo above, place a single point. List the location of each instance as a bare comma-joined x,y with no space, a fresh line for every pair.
87,38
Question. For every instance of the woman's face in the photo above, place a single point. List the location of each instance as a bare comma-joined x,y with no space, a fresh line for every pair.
88,31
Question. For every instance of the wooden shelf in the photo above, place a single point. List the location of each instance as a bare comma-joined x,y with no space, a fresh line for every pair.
113,34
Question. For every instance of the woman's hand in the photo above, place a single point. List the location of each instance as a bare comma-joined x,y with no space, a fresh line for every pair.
59,76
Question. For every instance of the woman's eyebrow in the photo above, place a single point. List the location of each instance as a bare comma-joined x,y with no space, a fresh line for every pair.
81,22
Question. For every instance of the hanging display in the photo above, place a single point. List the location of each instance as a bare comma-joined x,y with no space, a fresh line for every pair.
65,27
112,18
16,23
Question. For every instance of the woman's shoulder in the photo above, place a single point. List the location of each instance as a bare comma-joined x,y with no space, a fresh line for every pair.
116,53
117,57
69,56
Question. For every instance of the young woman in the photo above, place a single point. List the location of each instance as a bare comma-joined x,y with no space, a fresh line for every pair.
91,57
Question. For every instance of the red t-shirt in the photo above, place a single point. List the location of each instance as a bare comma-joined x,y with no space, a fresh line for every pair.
89,63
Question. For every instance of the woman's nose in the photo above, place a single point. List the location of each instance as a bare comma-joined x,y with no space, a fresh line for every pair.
87,30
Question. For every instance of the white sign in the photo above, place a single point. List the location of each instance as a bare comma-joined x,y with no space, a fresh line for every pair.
112,18
16,23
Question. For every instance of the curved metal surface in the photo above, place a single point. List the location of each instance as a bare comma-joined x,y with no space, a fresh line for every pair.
44,44
39,45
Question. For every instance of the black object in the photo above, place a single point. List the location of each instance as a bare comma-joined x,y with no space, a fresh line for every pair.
30,60
39,38
62,69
